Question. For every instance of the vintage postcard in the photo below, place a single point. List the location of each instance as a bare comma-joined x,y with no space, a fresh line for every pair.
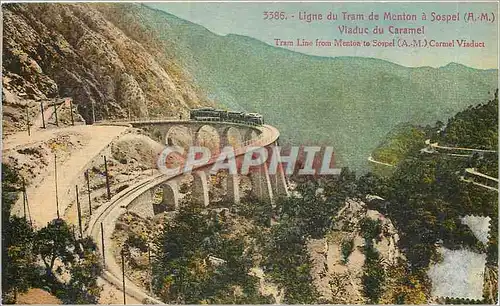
250,152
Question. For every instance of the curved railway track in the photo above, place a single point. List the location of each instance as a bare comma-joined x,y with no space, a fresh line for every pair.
108,214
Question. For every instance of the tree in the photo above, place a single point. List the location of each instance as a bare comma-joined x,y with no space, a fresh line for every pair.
317,202
55,242
405,287
346,248
287,263
371,229
87,267
338,283
198,260
373,274
425,198
373,184
61,252
253,209
18,262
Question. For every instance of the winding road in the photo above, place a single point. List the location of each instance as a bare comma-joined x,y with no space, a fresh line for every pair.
370,159
437,146
468,170
482,175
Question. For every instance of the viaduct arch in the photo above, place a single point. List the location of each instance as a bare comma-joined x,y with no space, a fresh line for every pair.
264,186
140,196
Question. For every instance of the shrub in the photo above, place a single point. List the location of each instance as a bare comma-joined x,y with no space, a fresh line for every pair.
347,247
371,229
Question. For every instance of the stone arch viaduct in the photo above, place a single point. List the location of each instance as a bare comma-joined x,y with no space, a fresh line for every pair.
138,198
264,186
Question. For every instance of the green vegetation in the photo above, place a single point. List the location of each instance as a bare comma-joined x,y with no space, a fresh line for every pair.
18,262
405,287
371,229
287,263
253,209
423,196
373,274
300,218
60,251
373,268
183,272
197,260
346,247
474,127
425,201
313,211
23,247
134,241
347,102
396,145
19,268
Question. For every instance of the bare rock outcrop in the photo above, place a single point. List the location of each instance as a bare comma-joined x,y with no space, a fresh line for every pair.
337,273
84,52
136,148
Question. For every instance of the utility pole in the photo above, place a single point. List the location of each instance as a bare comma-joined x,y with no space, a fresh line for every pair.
123,278
55,113
152,168
24,200
102,244
55,177
26,204
79,212
71,111
150,271
88,190
28,120
107,178
43,117
93,113
29,212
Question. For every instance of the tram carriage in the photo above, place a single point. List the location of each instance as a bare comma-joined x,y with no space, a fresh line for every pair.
212,114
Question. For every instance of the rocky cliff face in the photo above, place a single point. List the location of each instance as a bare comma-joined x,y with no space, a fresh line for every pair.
75,50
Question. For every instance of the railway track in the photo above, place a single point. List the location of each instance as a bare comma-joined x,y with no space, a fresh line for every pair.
108,214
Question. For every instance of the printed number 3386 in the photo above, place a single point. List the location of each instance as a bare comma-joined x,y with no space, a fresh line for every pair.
274,15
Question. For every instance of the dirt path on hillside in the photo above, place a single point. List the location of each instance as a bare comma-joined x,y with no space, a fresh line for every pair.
111,295
42,194
22,138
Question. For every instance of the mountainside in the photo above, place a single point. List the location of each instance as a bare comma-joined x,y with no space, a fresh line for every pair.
430,200
347,102
74,50
475,127
126,60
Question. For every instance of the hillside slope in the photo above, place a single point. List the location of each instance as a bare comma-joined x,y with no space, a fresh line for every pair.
347,102
73,50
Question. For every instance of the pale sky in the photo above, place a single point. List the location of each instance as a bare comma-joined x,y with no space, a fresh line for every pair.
246,18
